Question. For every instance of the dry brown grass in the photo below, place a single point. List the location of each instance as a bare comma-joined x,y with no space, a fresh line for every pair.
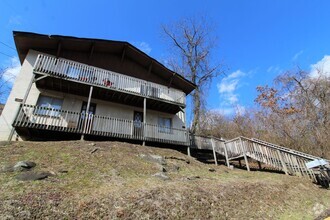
116,183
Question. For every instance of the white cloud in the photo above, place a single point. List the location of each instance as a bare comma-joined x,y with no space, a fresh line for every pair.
232,98
144,46
228,111
12,68
15,20
225,111
227,86
236,74
274,69
295,57
321,67
230,83
227,90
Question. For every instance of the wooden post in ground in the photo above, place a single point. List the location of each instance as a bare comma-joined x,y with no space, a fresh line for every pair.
285,169
188,138
292,166
257,151
188,151
226,154
259,165
214,153
244,154
144,120
86,116
190,142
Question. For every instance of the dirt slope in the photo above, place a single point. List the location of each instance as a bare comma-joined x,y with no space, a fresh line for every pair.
117,182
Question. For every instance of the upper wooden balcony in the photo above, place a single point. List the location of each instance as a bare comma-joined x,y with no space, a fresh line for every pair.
111,86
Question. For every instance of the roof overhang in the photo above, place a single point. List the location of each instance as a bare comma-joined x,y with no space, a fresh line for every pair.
25,41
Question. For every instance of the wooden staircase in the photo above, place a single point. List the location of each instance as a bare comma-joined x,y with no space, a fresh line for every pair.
291,162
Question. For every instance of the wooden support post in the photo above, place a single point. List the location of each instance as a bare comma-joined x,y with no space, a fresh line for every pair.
240,163
87,112
259,165
188,151
269,161
285,169
91,51
292,166
287,159
214,153
150,68
144,120
244,154
299,166
171,79
21,106
123,55
185,126
59,46
260,152
189,142
226,154
300,172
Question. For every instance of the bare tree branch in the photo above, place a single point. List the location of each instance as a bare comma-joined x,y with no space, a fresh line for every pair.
193,42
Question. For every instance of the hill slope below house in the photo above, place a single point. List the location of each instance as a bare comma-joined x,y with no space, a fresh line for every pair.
117,181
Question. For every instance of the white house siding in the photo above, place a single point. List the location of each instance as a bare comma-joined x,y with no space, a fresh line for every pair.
19,89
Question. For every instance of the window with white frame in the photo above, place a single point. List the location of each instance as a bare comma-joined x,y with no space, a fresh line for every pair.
74,72
48,106
164,125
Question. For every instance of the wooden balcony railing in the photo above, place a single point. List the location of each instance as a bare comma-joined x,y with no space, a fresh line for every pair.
44,118
76,71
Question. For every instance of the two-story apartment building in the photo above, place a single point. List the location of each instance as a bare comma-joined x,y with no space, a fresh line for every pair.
72,88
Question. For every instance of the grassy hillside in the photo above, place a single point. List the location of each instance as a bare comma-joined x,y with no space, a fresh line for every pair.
114,180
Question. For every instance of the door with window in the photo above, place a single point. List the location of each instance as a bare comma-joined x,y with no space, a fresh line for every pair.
138,124
86,121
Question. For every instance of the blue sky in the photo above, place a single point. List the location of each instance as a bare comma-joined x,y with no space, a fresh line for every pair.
257,39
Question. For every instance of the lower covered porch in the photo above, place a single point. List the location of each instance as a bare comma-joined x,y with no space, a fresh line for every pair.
69,123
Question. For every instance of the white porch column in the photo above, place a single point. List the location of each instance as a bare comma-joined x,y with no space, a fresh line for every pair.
214,153
144,120
187,131
86,117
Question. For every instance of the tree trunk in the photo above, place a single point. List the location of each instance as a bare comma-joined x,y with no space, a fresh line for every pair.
196,111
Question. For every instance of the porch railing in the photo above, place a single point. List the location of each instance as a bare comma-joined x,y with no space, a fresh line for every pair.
76,71
44,118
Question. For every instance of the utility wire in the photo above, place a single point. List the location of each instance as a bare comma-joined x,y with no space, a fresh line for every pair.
6,55
7,45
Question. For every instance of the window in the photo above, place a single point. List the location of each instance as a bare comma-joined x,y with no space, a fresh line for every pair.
153,92
49,106
73,72
150,91
164,125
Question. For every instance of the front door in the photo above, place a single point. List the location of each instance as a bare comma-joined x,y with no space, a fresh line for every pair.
84,120
138,124
92,108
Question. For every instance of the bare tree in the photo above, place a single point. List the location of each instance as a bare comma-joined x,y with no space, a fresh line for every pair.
2,85
295,112
5,85
193,41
